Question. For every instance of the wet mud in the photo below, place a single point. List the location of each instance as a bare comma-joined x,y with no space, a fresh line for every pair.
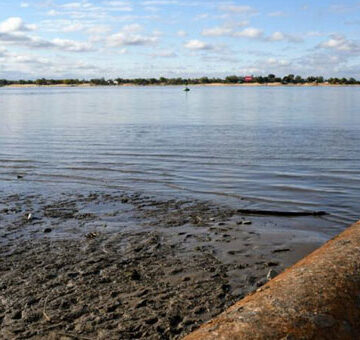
129,266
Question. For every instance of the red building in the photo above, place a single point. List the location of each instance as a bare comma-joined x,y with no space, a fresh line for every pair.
248,79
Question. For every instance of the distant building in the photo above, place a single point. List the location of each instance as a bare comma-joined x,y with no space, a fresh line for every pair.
248,79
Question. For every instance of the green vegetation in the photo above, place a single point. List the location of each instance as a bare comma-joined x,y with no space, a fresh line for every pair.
232,79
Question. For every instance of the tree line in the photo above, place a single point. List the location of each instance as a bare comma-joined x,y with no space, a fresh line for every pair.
232,79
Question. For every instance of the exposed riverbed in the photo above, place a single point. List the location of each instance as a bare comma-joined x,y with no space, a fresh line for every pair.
118,265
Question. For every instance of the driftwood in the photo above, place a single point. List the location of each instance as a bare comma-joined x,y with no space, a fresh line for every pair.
281,213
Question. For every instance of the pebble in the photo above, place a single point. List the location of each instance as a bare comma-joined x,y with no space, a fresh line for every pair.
142,303
271,274
151,320
16,315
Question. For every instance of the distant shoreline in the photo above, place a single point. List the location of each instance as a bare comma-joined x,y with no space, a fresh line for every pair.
191,85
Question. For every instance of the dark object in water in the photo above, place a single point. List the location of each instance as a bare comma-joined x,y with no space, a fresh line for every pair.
186,89
281,213
19,177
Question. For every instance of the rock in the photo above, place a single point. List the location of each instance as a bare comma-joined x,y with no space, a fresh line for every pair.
199,310
271,274
47,230
261,282
151,321
91,235
142,303
174,320
19,177
247,222
16,315
135,275
324,321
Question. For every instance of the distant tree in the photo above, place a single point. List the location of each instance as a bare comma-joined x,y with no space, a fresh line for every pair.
298,80
232,79
41,81
204,80
271,78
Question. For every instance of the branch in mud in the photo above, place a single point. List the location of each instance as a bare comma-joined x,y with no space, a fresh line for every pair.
281,213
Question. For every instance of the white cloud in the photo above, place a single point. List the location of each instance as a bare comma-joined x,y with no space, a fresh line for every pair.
117,3
132,28
164,54
341,44
201,17
122,39
280,36
250,33
217,31
99,29
72,46
277,62
24,5
121,6
52,13
159,2
130,35
15,24
277,14
226,30
181,33
74,27
237,9
198,45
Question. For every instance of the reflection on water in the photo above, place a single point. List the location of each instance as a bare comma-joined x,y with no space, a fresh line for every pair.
283,148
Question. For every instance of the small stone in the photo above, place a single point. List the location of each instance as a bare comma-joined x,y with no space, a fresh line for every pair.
247,222
151,321
142,303
91,235
271,274
16,315
324,321
47,230
199,310
135,275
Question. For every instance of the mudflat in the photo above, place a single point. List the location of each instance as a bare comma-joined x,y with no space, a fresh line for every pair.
129,266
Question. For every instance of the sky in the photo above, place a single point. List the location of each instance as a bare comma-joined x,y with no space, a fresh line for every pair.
178,38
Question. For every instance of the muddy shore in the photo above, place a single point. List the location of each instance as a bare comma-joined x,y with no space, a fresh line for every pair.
130,266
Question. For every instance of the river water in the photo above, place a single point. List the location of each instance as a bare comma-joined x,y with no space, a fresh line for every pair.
283,148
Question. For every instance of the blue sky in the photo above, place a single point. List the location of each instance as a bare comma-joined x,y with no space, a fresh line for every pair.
178,38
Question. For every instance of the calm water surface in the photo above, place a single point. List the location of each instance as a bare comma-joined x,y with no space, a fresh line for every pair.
275,148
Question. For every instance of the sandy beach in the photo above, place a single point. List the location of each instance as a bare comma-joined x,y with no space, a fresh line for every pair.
128,266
